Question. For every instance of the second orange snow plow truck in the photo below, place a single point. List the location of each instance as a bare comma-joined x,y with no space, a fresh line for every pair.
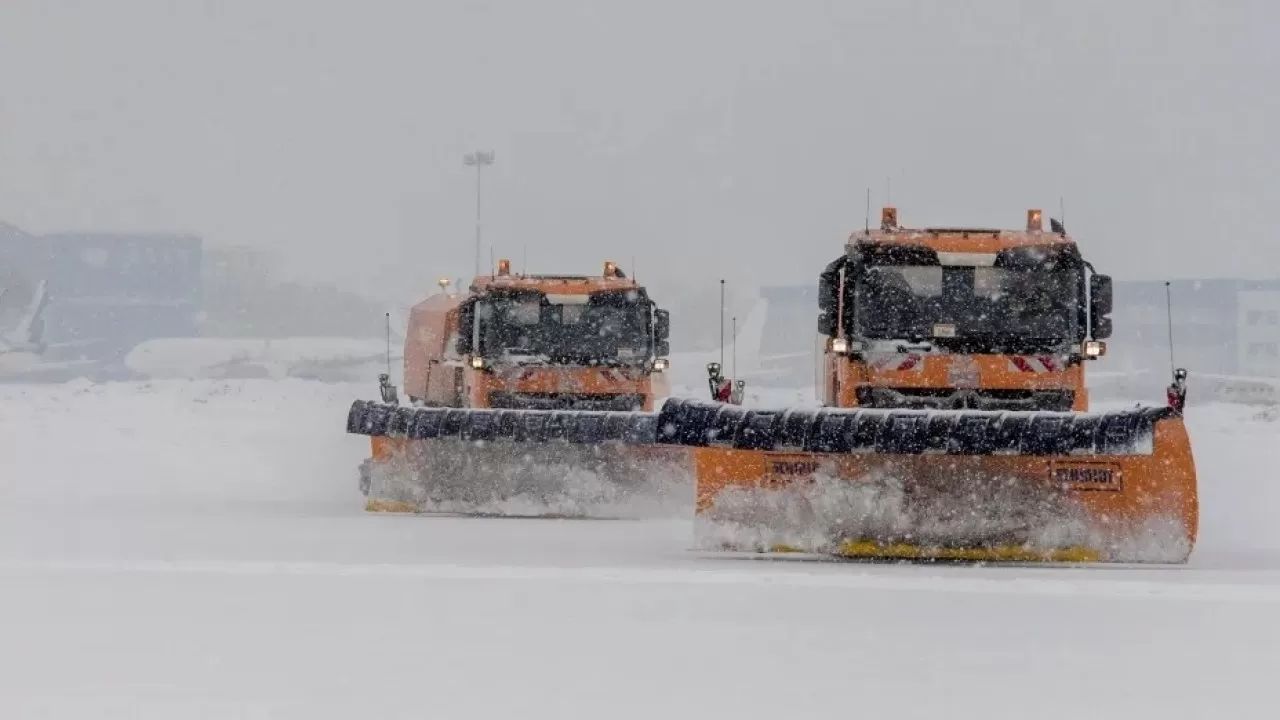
522,342
965,458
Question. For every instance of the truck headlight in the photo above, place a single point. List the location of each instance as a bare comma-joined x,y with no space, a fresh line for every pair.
661,364
477,362
1095,349
839,346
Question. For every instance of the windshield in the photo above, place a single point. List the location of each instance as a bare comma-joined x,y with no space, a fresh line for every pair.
932,302
604,329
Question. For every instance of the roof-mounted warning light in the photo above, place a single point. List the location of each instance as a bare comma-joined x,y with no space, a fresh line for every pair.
889,218
504,267
1034,223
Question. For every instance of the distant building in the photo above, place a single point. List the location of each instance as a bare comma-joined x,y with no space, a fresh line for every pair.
103,293
789,343
241,299
1225,326
792,320
109,292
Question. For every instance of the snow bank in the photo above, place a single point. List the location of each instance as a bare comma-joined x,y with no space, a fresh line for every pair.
202,446
1237,453
331,359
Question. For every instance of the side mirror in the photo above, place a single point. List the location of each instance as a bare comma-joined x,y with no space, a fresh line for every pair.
828,298
387,390
661,326
466,320
1101,304
1100,298
1101,328
1177,391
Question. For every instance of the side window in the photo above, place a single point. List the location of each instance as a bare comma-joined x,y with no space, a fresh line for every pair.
923,281
451,347
571,314
525,313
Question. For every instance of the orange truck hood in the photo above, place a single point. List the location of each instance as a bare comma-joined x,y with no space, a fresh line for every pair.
561,379
939,370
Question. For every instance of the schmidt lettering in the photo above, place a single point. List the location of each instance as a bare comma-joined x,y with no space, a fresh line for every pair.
794,467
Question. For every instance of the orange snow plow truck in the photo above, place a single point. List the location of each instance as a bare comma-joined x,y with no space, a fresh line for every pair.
957,358
523,343
955,423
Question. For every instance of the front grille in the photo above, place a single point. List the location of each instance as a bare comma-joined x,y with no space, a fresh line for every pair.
566,401
956,399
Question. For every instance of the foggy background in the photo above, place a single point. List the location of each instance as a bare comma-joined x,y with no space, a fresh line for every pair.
687,140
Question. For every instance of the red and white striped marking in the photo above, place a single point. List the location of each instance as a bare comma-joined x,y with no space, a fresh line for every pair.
897,362
514,374
608,374
1036,364
615,375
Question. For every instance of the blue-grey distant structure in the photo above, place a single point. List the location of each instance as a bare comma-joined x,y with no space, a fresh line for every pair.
101,294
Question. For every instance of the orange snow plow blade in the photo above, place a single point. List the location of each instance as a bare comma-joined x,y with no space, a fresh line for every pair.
962,485
520,463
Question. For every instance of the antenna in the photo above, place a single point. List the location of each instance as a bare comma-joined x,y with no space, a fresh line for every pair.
868,226
721,322
493,265
1168,304
1062,213
733,367
388,344
633,269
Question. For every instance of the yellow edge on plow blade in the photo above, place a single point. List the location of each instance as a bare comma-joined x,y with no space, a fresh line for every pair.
389,506
1006,553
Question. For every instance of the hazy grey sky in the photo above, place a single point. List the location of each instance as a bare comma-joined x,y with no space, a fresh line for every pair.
708,139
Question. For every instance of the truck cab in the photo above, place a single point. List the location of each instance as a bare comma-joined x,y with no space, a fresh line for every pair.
952,318
540,342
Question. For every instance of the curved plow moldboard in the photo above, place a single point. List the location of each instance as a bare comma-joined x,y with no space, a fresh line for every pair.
476,424
909,432
694,423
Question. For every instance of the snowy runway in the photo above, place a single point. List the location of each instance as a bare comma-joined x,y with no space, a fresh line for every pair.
198,550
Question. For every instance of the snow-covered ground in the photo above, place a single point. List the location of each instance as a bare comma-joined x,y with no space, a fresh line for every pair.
193,549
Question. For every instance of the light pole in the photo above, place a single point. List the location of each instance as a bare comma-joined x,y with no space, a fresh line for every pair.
478,159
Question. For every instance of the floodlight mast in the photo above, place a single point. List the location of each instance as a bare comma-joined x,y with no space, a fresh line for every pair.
478,159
